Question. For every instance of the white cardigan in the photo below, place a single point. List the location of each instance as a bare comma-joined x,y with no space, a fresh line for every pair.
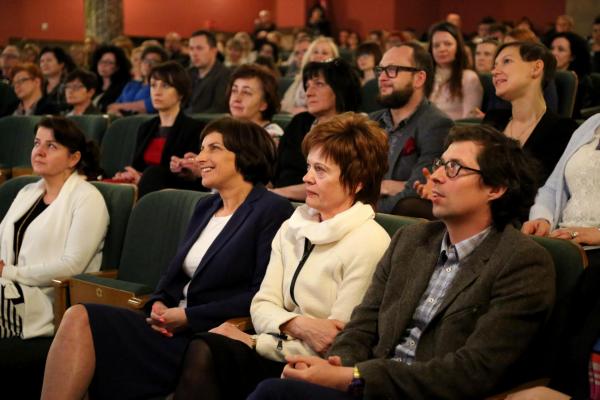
332,282
64,240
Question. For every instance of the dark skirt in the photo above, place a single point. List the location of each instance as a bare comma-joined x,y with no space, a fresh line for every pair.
238,368
132,360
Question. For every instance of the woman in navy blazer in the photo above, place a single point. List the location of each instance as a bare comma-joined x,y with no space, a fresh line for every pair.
120,354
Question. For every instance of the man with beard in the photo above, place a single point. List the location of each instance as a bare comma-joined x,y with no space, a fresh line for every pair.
416,128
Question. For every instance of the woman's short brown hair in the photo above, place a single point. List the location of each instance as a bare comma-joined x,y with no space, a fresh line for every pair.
31,69
359,147
267,81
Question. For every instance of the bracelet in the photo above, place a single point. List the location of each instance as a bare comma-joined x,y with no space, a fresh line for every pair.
253,339
357,385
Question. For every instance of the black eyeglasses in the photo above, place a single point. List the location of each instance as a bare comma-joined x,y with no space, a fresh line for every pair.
451,167
392,70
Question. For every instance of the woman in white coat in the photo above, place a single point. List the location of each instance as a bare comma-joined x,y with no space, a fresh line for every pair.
54,228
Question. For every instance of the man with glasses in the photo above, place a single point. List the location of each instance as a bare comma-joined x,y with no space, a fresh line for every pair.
209,76
454,305
11,56
27,84
416,127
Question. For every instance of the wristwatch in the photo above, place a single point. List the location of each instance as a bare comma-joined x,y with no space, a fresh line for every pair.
253,339
357,385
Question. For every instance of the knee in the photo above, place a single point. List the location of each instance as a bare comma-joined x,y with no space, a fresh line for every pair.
269,389
75,318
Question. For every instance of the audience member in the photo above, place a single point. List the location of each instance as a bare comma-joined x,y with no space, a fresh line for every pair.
368,55
565,207
342,242
572,54
55,64
454,19
80,87
30,53
253,96
246,40
234,54
294,99
54,228
174,47
135,59
564,23
301,46
214,275
126,44
111,66
595,45
521,35
498,31
393,39
317,22
268,50
10,58
483,29
170,134
135,97
456,91
267,62
89,46
411,336
264,22
77,54
27,82
8,99
520,72
416,128
376,36
342,39
484,55
332,87
209,76
525,23
353,42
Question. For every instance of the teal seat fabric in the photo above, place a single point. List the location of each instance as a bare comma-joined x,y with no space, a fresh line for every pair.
9,190
391,223
16,140
208,117
93,126
282,120
488,89
283,85
566,88
369,93
118,145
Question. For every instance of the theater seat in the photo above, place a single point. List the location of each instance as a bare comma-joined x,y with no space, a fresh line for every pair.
93,126
566,88
283,85
16,141
156,226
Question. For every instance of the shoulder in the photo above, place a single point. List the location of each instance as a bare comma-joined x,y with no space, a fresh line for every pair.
559,125
369,235
189,122
151,124
512,244
377,115
470,77
303,118
430,115
270,202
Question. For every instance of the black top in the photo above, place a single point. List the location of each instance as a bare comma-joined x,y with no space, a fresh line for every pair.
291,163
546,143
22,224
183,137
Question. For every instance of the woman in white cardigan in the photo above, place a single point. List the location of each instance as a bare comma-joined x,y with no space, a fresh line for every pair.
54,228
321,264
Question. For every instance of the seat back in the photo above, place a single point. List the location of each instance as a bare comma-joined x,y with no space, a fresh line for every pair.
93,126
369,93
155,229
488,89
9,190
566,88
283,85
208,117
391,223
16,140
118,145
119,199
282,120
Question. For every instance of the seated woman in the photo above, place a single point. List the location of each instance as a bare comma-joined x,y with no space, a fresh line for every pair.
112,67
321,49
457,90
321,264
135,98
566,206
27,82
213,277
55,64
171,133
521,70
80,87
332,88
368,56
253,96
54,228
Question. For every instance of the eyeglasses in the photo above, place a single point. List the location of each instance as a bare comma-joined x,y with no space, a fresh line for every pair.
106,62
392,70
73,87
150,62
17,82
451,167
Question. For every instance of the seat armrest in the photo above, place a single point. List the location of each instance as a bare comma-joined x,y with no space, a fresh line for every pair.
88,288
242,323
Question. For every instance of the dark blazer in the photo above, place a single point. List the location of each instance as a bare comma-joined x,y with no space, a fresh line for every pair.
546,143
500,297
184,137
110,95
209,94
291,163
232,269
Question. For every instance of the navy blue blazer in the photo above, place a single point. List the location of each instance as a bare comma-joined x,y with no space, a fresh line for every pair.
234,265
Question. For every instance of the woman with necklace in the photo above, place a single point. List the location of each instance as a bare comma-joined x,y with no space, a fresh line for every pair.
521,71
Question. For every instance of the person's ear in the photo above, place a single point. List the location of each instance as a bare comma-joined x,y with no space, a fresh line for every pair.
74,159
496,192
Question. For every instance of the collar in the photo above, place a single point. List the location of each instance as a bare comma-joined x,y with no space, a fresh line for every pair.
389,121
465,247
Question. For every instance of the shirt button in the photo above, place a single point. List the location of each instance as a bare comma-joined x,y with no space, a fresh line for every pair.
449,269
431,300
411,343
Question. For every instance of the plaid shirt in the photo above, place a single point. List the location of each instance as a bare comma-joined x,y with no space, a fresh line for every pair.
441,280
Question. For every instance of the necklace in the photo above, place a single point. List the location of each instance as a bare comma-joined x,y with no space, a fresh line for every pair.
20,234
526,131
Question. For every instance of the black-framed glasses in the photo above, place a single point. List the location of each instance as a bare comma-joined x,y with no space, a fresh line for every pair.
452,167
392,70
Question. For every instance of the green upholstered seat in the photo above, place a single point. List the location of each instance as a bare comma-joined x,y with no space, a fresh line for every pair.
391,223
488,89
93,126
208,117
282,119
16,140
566,88
9,190
118,144
283,85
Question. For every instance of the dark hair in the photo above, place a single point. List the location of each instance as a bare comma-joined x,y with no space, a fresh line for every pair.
210,37
122,64
502,163
156,50
532,51
499,27
423,61
371,48
359,146
62,57
67,133
489,40
255,151
86,78
460,59
596,20
33,70
581,63
487,20
260,43
267,81
342,79
175,75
